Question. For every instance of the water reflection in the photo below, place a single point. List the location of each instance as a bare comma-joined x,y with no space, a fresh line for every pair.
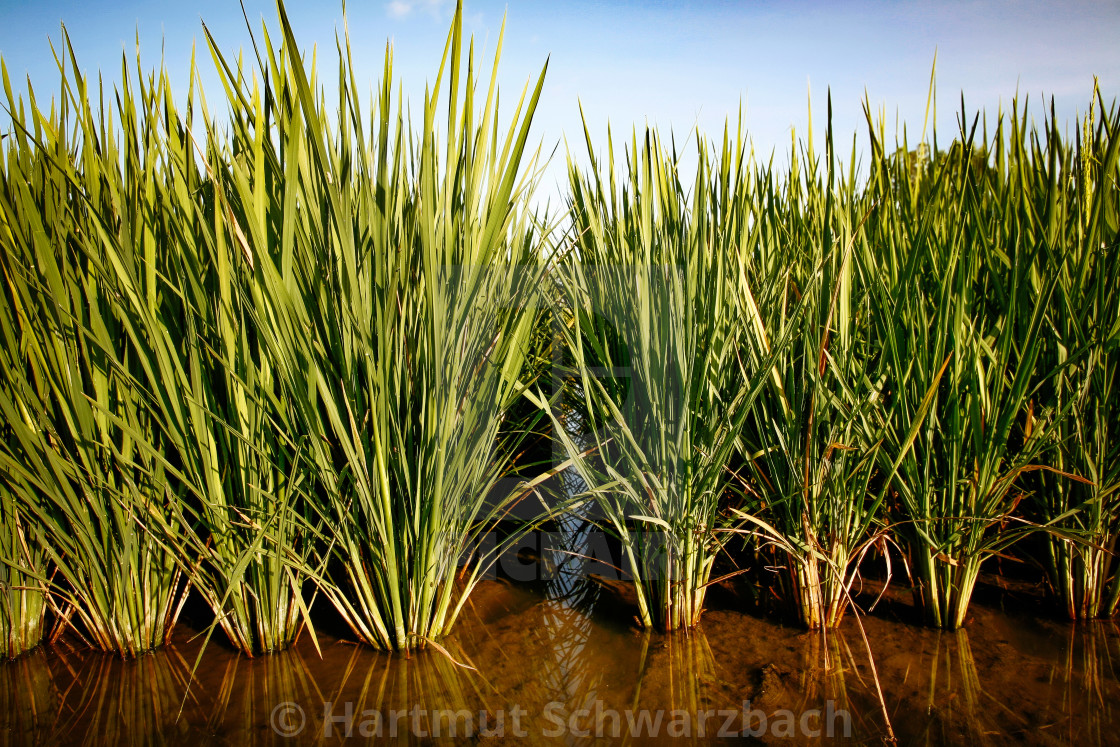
826,661
28,699
572,676
1083,684
579,679
675,679
953,693
101,699
412,700
244,693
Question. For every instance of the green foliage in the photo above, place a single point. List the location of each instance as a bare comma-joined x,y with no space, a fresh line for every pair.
299,353
656,288
811,442
81,458
402,282
282,355
963,306
1075,218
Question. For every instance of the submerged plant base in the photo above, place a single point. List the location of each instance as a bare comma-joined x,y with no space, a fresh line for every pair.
401,623
1080,576
677,605
252,630
820,599
21,621
129,631
945,587
671,579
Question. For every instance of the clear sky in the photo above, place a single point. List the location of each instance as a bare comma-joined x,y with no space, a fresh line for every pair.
675,64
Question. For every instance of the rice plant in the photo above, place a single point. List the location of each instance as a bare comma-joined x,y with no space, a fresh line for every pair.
398,271
288,310
230,425
810,442
960,328
655,285
1077,224
75,212
23,600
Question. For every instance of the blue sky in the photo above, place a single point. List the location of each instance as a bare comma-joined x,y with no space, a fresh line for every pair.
674,64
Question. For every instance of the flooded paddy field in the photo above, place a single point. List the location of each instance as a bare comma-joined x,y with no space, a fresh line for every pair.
562,664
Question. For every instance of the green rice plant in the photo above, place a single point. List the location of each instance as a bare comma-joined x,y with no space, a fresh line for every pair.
655,286
1075,216
23,599
810,442
73,459
228,423
395,281
960,327
266,366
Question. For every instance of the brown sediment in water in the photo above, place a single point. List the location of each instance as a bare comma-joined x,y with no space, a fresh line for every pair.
548,672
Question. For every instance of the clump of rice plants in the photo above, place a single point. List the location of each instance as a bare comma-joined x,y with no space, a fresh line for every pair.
169,348
959,324
76,216
655,286
230,424
400,271
810,442
293,358
1076,220
223,347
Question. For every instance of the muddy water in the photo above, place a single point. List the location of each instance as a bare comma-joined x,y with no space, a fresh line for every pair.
562,664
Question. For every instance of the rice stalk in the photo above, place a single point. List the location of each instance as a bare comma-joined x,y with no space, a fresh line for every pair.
959,323
1078,228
